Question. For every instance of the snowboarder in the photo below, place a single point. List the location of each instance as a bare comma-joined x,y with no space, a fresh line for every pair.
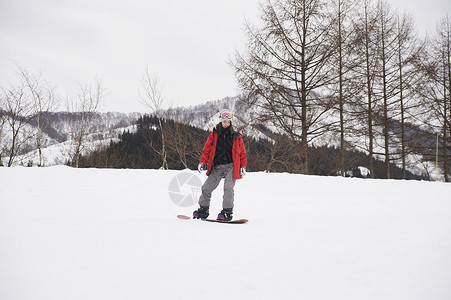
223,156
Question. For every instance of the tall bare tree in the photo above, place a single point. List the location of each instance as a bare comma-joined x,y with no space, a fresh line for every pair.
342,63
151,96
44,101
17,111
2,126
82,109
366,51
436,90
376,42
286,69
408,48
386,75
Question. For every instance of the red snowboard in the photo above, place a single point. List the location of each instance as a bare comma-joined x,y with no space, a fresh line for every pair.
239,221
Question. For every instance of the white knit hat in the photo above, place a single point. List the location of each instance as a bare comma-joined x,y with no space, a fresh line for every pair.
225,114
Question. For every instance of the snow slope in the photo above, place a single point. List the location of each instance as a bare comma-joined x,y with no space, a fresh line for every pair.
113,234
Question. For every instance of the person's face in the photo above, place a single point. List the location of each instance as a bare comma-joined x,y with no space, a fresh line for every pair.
225,123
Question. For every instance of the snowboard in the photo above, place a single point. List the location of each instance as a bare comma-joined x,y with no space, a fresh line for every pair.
239,221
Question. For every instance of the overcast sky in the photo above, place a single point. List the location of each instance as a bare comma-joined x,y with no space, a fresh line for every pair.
185,43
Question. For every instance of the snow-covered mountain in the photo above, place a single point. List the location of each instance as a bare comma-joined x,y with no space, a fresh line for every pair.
57,143
205,116
106,127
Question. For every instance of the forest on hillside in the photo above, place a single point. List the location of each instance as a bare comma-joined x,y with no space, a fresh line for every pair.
183,144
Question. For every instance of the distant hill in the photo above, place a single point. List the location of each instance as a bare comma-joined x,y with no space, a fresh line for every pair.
184,144
110,128
57,135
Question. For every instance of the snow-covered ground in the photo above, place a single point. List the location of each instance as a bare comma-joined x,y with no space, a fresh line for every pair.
113,234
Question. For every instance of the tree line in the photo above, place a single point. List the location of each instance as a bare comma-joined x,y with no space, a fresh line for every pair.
184,144
356,71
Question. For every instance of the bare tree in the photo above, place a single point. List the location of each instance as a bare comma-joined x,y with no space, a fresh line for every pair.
436,89
180,140
152,98
82,110
342,63
280,149
2,125
365,47
387,76
408,48
286,69
44,101
17,111
376,43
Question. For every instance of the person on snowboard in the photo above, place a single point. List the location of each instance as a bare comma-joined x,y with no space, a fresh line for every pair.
223,156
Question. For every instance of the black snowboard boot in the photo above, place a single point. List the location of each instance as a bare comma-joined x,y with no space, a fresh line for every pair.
201,213
225,215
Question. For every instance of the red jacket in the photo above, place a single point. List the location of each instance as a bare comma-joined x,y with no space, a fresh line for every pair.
238,153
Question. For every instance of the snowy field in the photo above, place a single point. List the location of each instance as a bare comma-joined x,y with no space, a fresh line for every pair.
91,234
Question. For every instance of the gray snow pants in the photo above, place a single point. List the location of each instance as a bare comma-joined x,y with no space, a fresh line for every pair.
212,183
